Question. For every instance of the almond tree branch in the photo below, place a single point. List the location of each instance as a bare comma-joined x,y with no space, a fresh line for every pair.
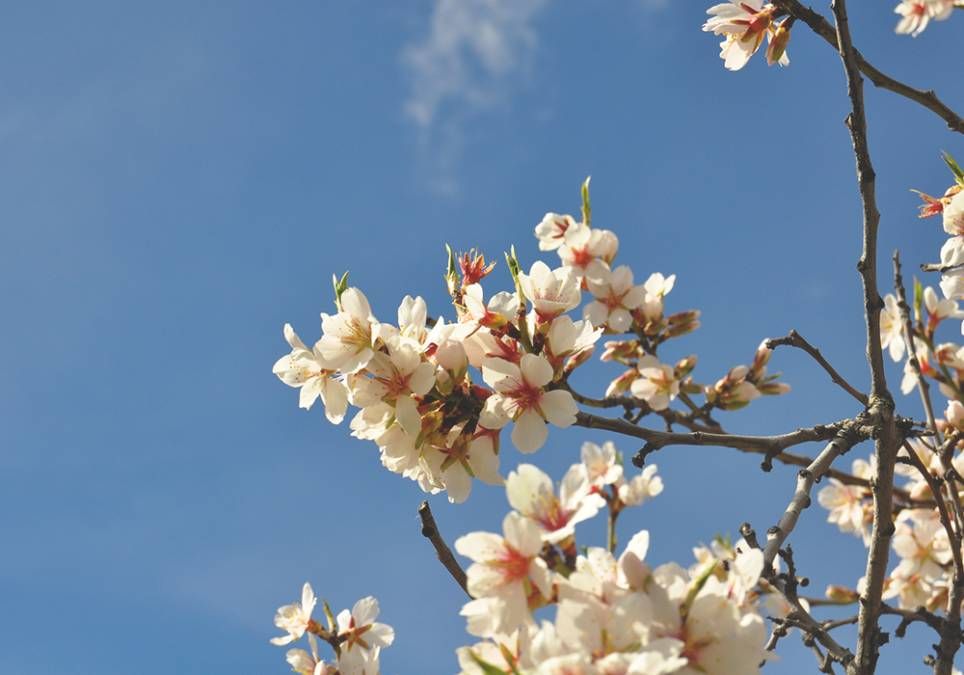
772,447
926,98
442,550
881,406
847,436
794,339
908,333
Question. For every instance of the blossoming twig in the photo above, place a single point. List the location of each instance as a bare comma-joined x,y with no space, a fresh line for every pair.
442,550
926,98
794,339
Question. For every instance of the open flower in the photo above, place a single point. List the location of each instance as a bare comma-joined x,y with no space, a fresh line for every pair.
557,230
397,378
551,292
522,398
362,638
306,369
531,493
507,574
916,14
656,383
295,618
616,297
349,335
744,24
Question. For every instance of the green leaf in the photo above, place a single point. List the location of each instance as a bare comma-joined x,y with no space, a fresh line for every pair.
340,286
918,298
954,167
586,207
486,667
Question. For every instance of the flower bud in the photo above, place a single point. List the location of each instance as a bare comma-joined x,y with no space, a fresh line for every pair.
684,367
682,323
841,594
621,384
778,43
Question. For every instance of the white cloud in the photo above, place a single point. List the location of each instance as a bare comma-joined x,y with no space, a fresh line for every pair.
472,49
466,62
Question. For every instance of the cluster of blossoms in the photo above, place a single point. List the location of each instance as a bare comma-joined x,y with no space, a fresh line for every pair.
923,575
916,14
355,637
613,616
435,398
744,24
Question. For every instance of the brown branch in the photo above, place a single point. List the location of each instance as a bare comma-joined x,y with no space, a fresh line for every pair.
846,438
881,407
794,339
798,617
442,550
939,267
926,98
769,446
908,331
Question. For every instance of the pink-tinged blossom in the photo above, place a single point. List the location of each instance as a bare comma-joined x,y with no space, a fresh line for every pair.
551,292
295,618
399,378
531,493
616,298
459,457
744,24
307,370
592,256
556,230
521,397
507,575
917,14
656,383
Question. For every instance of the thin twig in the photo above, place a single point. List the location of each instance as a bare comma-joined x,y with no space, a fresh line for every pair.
771,447
926,98
442,550
794,339
846,438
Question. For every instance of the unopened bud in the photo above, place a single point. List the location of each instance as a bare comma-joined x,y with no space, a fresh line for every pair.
841,594
621,384
778,43
684,367
682,323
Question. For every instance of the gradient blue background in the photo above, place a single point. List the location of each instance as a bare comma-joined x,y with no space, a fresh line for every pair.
178,180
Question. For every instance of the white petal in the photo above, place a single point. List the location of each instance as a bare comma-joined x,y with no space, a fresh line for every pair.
529,432
559,407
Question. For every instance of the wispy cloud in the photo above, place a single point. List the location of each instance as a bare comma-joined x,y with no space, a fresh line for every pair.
472,49
467,62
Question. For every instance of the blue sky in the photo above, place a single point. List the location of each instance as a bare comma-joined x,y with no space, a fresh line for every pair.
178,180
